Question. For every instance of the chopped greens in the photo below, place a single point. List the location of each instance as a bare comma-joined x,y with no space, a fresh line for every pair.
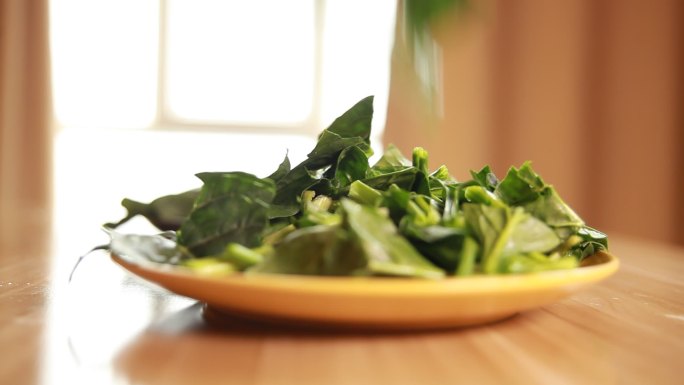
337,214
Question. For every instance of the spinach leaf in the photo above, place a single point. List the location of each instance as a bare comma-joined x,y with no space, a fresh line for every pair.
304,175
404,179
289,188
441,245
550,208
590,234
316,250
531,235
520,186
141,249
281,171
525,188
166,213
396,200
350,129
386,251
591,241
493,226
391,160
356,122
231,207
352,165
485,178
327,150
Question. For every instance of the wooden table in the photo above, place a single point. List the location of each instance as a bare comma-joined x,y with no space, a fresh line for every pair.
108,327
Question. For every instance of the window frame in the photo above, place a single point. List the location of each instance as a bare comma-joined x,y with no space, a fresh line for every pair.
166,120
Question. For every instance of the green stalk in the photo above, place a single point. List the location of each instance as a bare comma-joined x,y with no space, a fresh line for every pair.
420,160
364,194
241,256
491,260
466,265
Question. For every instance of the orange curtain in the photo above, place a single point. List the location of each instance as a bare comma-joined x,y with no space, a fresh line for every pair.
25,121
590,91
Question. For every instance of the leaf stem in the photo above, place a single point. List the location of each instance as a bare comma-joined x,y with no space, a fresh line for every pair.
491,260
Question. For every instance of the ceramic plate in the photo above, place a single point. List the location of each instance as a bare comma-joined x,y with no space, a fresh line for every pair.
386,303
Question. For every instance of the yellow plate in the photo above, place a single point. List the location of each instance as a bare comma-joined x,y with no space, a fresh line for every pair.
386,303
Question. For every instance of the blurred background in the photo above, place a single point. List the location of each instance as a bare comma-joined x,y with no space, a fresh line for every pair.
105,99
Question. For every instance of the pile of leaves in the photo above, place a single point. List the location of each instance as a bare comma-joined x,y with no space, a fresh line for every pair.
336,214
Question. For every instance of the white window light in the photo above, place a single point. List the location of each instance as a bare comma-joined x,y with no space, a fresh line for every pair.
289,66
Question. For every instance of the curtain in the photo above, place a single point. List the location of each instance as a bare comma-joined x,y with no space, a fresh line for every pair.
592,92
25,121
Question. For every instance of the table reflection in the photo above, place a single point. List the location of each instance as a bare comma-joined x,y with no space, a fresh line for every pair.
93,317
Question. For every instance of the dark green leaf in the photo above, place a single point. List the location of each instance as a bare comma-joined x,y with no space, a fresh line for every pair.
352,165
231,207
396,200
387,252
392,160
591,242
550,208
289,188
403,178
166,213
283,169
520,186
317,250
328,149
485,178
441,245
350,129
590,234
525,188
356,122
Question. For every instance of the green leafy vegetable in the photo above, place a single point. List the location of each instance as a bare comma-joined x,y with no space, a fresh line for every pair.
335,214
282,170
317,250
231,207
352,165
138,248
352,129
386,251
391,160
485,178
166,213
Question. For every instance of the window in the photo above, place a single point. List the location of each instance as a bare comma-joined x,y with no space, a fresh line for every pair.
289,66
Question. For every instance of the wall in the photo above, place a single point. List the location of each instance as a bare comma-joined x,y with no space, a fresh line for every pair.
590,91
